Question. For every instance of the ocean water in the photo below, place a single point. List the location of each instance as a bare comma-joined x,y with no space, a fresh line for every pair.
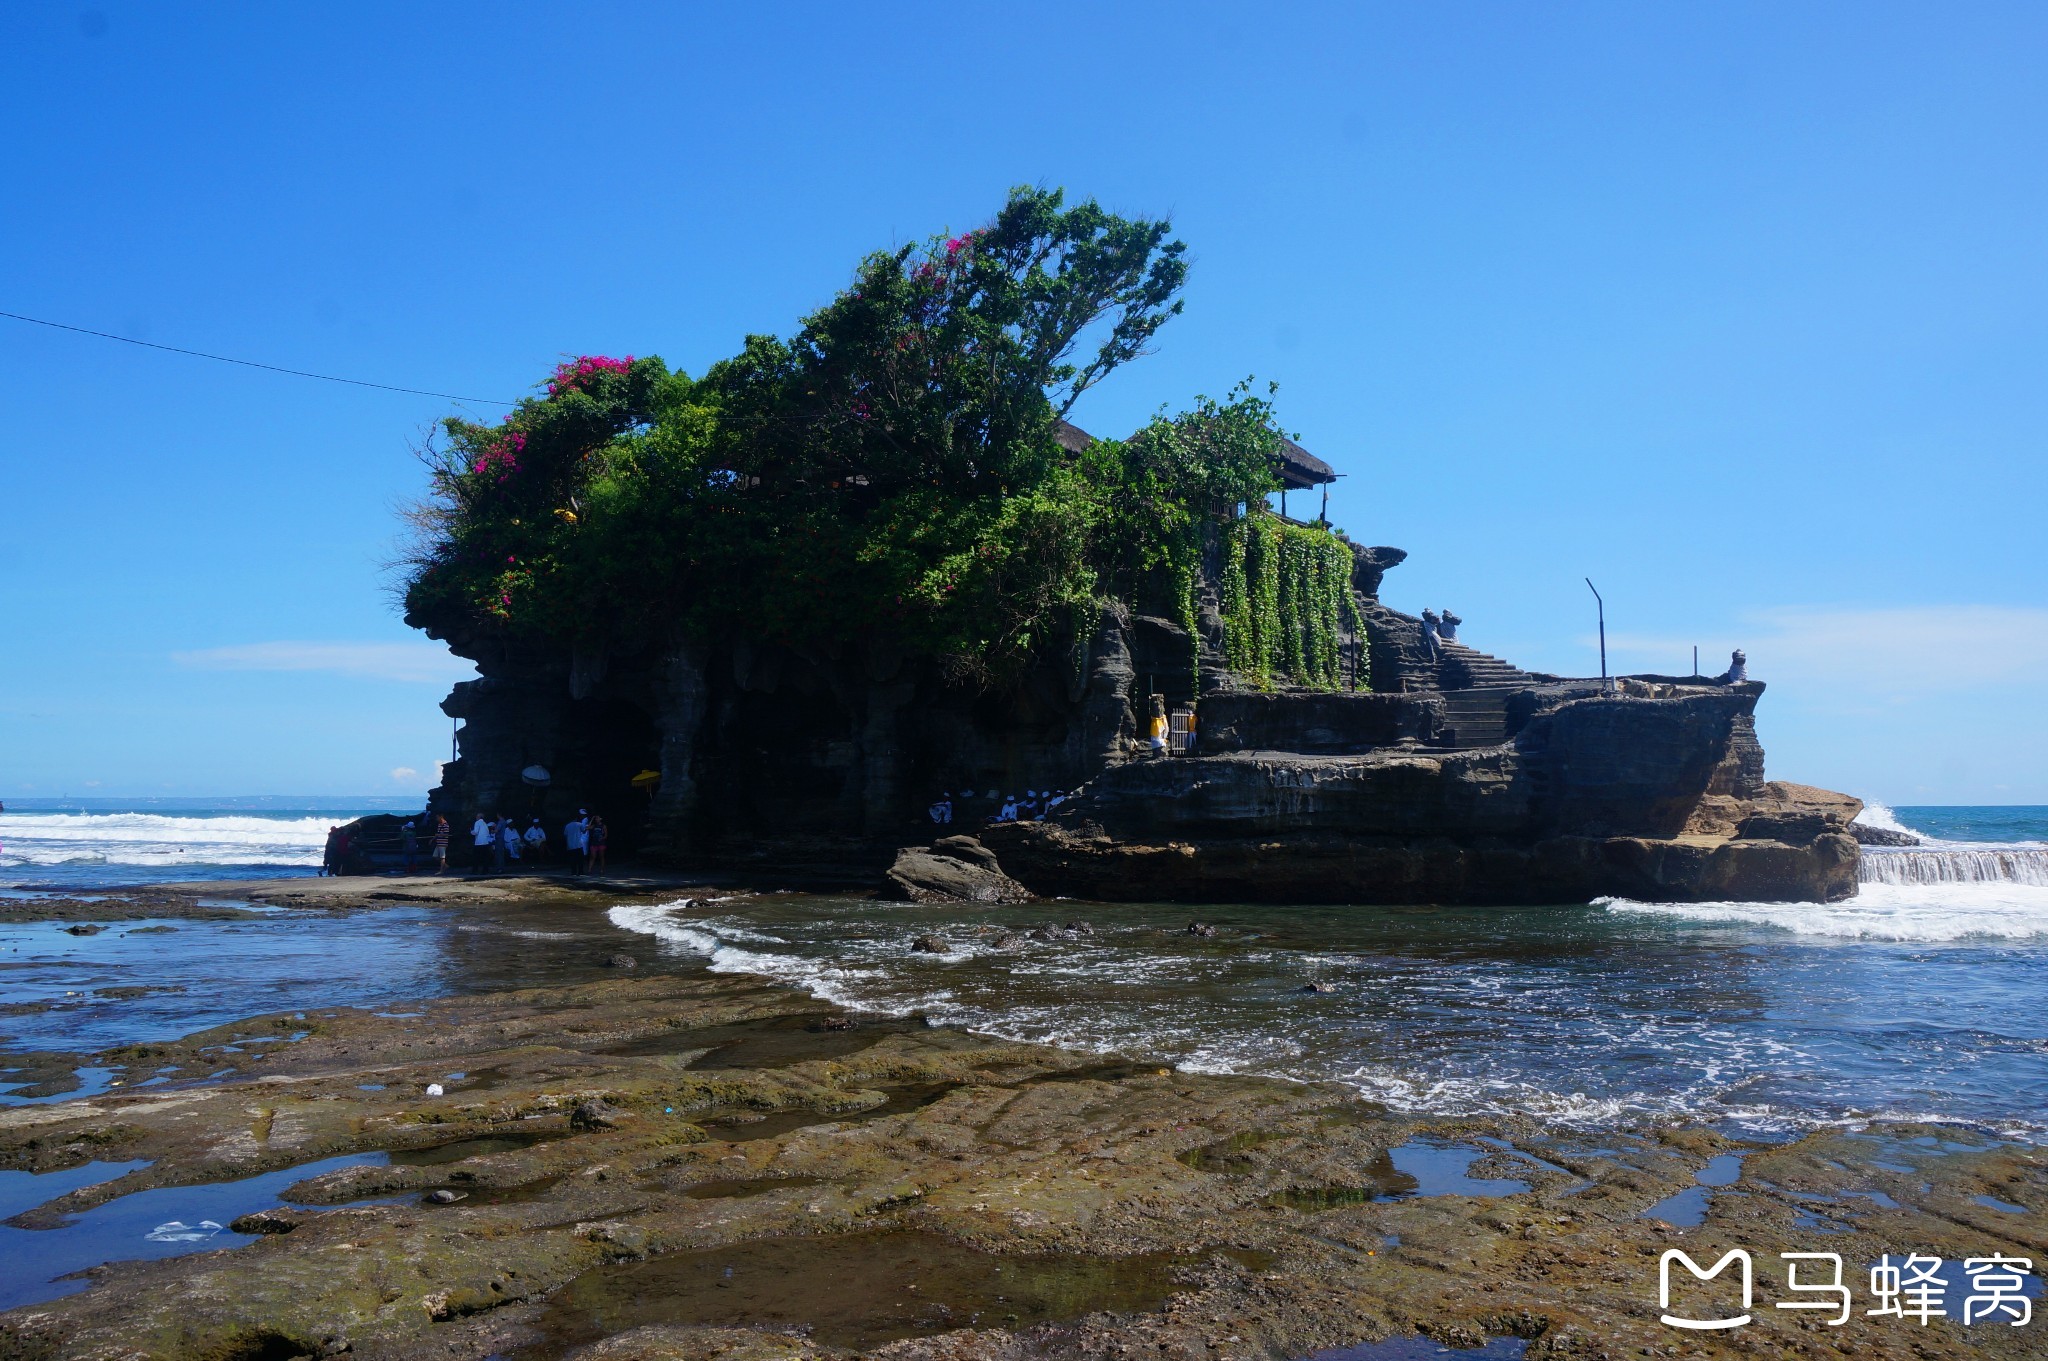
1913,1000
98,843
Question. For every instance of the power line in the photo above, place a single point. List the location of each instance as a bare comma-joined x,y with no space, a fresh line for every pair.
252,364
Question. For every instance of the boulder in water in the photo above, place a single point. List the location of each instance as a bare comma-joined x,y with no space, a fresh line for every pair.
265,1221
1071,931
1866,835
621,960
931,945
955,869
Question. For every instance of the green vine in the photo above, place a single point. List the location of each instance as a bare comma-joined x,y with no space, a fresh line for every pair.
1286,602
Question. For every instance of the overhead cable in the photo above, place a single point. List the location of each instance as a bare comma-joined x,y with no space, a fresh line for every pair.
252,364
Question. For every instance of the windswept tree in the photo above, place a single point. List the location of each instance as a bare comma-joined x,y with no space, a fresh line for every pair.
890,471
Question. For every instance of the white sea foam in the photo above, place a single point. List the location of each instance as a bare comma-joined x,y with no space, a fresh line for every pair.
1111,994
2010,862
658,920
1881,816
1997,909
156,839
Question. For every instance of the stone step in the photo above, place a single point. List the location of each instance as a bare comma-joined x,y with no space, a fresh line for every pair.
1475,717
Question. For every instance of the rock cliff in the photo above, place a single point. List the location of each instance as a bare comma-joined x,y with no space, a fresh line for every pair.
1459,778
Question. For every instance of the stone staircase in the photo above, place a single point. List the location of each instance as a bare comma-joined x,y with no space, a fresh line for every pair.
1475,718
1475,691
1463,668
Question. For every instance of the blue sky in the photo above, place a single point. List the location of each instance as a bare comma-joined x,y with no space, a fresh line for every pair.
1741,310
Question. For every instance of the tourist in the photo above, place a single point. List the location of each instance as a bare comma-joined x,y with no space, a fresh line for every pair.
595,835
343,845
480,838
536,840
1431,637
1158,726
1450,627
409,842
440,844
497,835
572,841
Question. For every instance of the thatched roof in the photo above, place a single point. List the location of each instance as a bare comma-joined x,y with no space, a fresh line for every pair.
1300,468
1072,438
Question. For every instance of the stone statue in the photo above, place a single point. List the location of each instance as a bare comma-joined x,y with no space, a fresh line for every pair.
1450,627
1738,669
1431,633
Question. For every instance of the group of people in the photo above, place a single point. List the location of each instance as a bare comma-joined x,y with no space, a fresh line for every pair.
506,843
1035,804
346,853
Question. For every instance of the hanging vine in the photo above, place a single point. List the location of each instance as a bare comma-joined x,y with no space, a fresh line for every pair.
1286,602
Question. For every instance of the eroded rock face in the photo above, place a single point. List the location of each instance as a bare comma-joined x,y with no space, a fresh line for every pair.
1495,871
804,754
1596,795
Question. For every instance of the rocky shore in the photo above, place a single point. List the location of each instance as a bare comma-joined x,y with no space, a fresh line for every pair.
647,1166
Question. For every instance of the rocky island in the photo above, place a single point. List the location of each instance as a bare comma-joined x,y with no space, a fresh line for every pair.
772,615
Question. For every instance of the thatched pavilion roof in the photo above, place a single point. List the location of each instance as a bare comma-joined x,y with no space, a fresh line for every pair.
1298,467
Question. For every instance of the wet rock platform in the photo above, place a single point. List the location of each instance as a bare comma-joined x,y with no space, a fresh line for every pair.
661,1167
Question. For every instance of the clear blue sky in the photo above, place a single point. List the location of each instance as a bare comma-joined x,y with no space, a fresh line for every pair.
1741,310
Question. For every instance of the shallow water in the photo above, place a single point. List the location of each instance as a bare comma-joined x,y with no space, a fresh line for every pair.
852,1290
1424,1349
1910,1001
167,1221
1769,1018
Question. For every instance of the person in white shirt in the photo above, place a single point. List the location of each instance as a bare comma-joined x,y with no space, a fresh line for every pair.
536,840
481,833
511,834
572,840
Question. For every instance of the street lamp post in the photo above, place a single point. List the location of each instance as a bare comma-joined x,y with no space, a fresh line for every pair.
1602,604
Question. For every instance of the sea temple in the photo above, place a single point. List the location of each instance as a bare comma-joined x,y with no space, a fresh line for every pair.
833,607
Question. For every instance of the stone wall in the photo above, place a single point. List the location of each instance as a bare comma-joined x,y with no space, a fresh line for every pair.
1315,722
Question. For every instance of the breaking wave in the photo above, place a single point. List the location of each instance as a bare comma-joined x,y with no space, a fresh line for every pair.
1882,817
1894,910
157,839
